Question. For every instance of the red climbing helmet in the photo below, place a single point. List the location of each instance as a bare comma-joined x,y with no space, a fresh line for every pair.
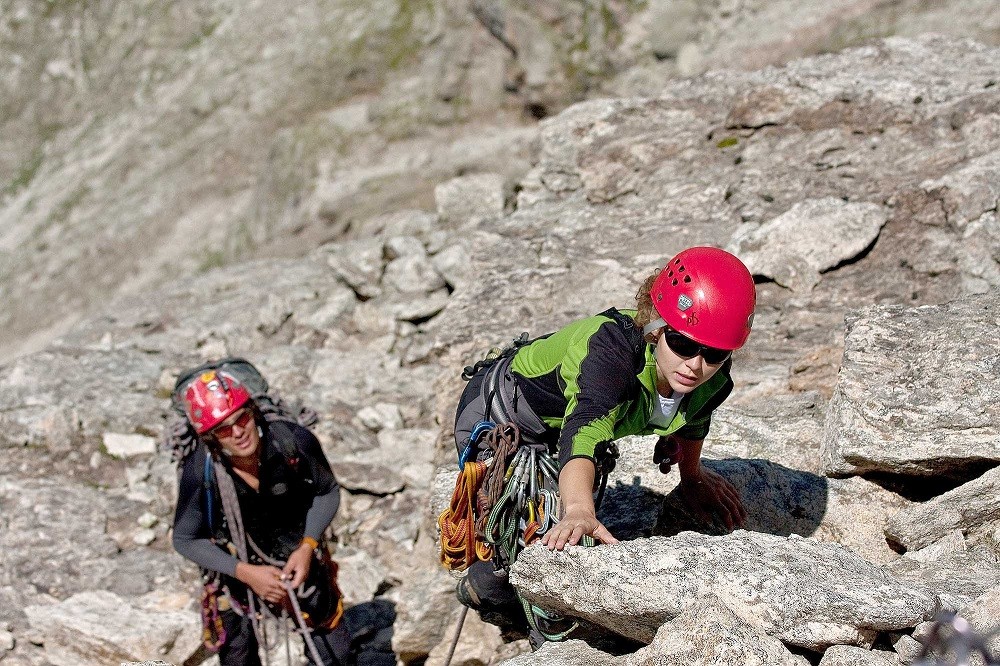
708,295
212,397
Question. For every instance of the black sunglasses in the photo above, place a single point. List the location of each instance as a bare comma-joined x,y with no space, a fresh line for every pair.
685,347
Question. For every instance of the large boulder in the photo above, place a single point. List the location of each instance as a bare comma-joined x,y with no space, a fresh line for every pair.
101,627
813,236
803,592
710,633
956,576
967,508
917,392
63,538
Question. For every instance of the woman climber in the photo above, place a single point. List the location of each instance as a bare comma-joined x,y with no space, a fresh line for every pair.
660,369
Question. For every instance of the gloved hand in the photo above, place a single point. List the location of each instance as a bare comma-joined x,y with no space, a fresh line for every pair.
667,452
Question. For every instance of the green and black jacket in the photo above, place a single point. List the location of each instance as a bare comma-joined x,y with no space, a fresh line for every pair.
594,381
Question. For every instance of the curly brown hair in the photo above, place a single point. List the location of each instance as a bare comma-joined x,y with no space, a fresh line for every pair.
645,312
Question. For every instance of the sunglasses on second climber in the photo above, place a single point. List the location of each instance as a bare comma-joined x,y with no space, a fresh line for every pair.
241,422
685,347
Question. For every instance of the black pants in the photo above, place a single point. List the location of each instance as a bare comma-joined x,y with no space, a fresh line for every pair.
241,648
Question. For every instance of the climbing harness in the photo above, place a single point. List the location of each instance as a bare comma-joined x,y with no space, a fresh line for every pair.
953,642
495,354
506,495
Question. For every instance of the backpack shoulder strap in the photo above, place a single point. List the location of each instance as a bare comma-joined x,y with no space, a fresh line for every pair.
209,492
285,443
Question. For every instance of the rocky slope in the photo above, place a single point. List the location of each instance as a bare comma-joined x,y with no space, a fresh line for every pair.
858,185
146,141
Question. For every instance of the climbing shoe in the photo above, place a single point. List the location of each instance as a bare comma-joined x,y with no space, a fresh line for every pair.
466,594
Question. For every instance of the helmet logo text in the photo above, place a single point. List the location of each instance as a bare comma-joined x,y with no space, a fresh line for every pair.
684,302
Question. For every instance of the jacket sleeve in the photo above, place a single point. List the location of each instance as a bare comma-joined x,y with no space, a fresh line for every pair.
326,502
191,532
598,374
697,429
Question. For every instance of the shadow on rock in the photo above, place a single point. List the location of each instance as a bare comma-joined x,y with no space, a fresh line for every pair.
778,500
370,624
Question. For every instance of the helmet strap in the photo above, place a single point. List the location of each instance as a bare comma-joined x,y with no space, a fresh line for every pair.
653,325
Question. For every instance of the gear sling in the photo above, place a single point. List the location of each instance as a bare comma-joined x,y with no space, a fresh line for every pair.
507,491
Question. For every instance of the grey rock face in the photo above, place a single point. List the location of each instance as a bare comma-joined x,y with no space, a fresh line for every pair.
250,108
101,627
813,236
849,655
785,428
956,578
479,643
803,592
622,184
83,547
374,479
965,508
428,608
984,616
470,197
568,653
917,392
748,35
359,576
780,500
709,633
909,126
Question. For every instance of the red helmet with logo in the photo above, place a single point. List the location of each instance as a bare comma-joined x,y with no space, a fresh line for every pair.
708,295
211,398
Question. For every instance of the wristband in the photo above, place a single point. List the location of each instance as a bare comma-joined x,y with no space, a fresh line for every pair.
312,543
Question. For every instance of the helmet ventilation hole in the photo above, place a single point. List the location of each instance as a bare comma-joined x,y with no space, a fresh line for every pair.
687,278
674,283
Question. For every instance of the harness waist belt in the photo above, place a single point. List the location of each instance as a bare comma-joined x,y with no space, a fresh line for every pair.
505,405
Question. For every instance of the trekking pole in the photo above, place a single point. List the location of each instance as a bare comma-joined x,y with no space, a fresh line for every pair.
458,632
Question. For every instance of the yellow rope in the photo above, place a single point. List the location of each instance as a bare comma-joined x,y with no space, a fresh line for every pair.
459,547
